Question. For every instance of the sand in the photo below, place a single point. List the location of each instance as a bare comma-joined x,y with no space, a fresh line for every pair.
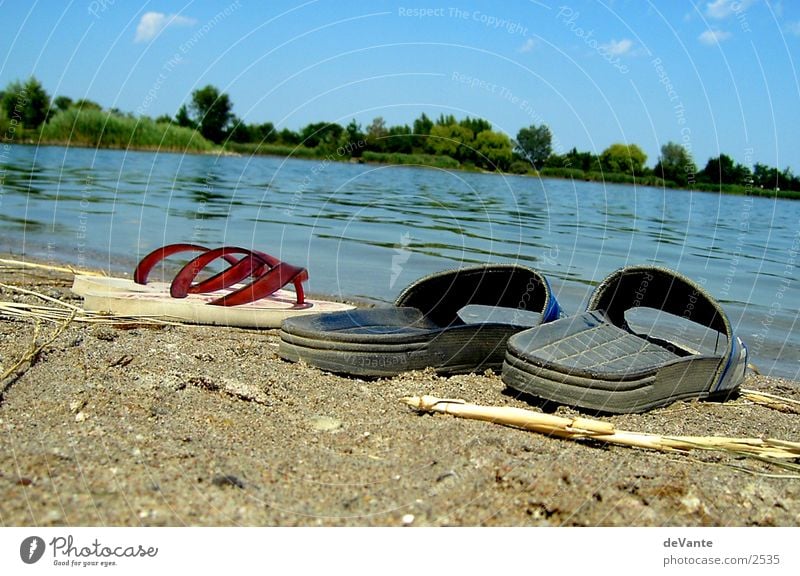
141,425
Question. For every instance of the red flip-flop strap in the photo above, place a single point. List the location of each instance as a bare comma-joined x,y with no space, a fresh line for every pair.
270,273
247,266
254,263
239,270
266,285
147,263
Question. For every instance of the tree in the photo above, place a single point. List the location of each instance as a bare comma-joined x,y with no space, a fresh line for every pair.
353,131
288,137
623,158
448,139
423,125
28,103
239,131
182,118
86,104
376,132
675,165
12,102
400,140
476,125
585,161
767,177
321,133
212,112
422,128
351,141
264,132
62,103
771,178
494,149
535,144
38,104
723,170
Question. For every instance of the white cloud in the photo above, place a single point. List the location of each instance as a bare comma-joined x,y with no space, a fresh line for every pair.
713,37
152,23
528,45
793,28
618,48
721,9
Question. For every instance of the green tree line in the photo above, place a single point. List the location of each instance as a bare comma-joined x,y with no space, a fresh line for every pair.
28,114
675,167
207,122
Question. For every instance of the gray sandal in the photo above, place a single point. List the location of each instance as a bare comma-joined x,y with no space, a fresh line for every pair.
454,321
595,361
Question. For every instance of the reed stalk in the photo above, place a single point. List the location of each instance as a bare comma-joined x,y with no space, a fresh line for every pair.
768,450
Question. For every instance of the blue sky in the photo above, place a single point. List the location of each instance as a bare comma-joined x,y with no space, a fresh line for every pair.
718,76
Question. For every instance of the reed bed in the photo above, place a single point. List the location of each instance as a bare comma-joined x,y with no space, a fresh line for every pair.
96,128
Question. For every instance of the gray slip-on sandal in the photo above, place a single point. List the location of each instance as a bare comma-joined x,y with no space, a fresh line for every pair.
596,361
455,321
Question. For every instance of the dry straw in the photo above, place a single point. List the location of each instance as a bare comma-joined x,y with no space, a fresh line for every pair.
34,349
778,403
58,311
52,310
768,450
18,264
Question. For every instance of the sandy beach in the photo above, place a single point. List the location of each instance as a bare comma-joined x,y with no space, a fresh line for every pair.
143,425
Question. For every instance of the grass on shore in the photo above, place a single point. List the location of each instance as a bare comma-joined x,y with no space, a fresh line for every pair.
609,177
654,181
280,150
430,160
100,129
299,151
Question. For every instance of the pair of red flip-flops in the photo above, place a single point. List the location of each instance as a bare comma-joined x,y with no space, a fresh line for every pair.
249,292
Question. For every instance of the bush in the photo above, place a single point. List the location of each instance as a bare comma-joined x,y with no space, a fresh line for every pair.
283,150
569,173
95,128
521,167
411,159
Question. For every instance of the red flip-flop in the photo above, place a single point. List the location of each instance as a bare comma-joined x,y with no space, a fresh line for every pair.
250,292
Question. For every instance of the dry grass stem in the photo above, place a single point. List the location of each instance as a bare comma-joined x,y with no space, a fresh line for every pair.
35,349
17,264
38,295
63,310
768,450
779,403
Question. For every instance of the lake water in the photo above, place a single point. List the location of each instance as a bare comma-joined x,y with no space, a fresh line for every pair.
367,231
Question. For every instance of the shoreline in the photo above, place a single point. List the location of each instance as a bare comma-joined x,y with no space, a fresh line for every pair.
571,293
222,153
142,425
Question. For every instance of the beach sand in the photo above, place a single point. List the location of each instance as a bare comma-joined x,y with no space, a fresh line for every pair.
141,425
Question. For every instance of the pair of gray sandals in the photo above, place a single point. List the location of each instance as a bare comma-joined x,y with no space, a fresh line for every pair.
506,318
